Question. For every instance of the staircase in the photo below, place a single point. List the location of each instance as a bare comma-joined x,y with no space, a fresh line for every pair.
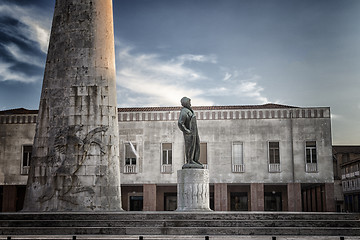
180,223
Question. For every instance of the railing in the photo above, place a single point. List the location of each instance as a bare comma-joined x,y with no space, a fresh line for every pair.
274,167
166,168
205,166
351,185
25,170
239,168
130,169
311,167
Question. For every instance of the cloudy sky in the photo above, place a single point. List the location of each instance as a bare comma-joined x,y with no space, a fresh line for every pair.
218,52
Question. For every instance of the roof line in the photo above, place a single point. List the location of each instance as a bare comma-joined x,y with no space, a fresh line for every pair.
176,108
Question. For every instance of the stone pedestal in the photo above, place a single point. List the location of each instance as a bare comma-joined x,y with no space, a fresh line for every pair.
193,190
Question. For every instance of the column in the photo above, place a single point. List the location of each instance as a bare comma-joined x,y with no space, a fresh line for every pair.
220,196
149,197
313,199
329,197
305,201
9,198
294,197
75,162
319,204
257,196
308,200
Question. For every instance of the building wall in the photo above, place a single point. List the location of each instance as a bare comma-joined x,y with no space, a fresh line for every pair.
15,132
347,159
219,128
220,131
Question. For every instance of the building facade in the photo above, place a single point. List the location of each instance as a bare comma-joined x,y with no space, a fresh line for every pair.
347,177
260,158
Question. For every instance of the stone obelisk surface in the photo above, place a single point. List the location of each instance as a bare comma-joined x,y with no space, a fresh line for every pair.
75,164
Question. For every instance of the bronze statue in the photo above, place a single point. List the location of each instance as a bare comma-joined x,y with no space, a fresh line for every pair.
187,124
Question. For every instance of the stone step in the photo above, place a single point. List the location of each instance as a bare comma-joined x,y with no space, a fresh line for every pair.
178,216
181,231
176,237
180,223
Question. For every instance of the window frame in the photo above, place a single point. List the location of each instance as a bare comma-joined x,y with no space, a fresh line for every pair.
167,154
202,144
237,167
131,159
166,167
270,153
131,166
25,169
311,152
311,166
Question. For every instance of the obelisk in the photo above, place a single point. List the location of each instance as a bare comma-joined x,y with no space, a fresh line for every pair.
75,164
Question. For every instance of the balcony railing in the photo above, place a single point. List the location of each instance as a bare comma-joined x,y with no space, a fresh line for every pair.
25,170
274,167
238,168
130,169
311,167
166,168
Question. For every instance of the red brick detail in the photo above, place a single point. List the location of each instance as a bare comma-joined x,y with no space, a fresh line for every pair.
220,197
257,197
9,198
294,197
149,197
329,197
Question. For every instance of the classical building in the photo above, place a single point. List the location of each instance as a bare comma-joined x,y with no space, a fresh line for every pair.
347,178
260,158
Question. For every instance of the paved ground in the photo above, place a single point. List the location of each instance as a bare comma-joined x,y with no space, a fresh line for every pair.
102,237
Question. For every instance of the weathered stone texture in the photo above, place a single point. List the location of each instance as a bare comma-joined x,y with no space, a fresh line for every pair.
76,148
193,190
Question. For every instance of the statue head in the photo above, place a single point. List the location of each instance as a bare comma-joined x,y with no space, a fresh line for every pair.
186,102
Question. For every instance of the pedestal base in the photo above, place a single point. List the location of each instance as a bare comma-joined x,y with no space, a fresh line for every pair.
193,190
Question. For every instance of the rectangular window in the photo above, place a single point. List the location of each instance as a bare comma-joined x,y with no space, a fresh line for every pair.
167,153
237,157
203,154
170,201
130,158
311,152
272,201
311,156
238,201
274,152
274,157
136,203
27,152
166,161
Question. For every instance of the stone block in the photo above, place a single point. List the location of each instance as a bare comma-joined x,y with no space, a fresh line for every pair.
101,170
193,190
90,170
81,91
